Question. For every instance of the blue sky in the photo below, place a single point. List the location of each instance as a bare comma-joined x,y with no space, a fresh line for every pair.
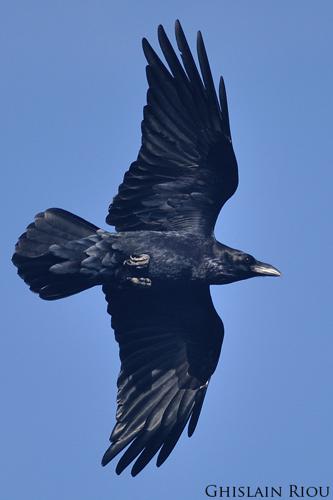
72,91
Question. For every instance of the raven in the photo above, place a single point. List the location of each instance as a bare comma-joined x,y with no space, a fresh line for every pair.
157,268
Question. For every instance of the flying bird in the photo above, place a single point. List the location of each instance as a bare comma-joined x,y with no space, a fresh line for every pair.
157,268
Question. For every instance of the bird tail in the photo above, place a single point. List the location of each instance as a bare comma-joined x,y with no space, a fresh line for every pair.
49,254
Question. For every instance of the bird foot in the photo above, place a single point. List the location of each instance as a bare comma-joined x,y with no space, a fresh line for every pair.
137,261
144,282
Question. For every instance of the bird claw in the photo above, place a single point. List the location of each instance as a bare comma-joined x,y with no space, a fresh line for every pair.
137,261
144,282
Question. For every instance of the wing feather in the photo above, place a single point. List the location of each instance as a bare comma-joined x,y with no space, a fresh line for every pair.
169,342
213,104
186,168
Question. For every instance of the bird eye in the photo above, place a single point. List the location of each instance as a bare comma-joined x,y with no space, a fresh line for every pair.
249,259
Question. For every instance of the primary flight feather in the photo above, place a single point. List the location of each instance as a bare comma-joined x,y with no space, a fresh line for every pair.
157,268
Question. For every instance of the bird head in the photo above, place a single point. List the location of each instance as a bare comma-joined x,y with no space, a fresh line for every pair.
234,265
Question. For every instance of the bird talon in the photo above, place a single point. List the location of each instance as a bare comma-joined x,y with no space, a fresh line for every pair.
137,260
145,282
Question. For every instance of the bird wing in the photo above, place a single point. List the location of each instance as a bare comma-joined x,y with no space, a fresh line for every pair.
170,340
186,168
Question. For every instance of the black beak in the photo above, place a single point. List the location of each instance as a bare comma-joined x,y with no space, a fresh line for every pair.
262,269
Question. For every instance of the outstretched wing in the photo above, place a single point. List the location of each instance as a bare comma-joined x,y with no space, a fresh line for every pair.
186,168
170,341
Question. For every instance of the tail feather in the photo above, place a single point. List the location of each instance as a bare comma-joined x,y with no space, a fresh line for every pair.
48,274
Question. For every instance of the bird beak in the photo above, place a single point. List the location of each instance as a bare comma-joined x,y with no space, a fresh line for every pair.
262,269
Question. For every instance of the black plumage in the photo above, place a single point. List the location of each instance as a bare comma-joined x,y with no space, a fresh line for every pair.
186,168
157,268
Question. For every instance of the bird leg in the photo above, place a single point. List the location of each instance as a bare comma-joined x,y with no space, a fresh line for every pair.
137,261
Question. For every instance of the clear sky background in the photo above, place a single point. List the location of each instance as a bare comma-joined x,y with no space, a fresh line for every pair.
72,89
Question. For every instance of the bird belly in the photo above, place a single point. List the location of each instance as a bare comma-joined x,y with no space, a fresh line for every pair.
160,257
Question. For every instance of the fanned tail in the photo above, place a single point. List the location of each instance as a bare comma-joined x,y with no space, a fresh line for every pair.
49,254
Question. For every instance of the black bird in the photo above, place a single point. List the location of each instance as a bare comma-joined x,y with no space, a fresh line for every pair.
157,268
